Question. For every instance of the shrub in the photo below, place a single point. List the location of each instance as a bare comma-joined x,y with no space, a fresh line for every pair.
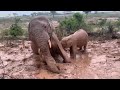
102,22
5,32
73,23
79,20
25,33
15,29
67,24
87,27
110,26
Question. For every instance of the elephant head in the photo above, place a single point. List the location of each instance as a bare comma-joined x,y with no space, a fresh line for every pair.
66,41
47,25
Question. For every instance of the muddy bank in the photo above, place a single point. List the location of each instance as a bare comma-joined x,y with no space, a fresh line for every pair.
100,62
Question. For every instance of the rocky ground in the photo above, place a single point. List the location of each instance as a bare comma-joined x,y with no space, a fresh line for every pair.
101,61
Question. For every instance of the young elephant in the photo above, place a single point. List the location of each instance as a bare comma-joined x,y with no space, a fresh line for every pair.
41,34
77,40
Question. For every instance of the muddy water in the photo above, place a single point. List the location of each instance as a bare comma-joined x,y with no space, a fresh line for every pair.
79,68
101,61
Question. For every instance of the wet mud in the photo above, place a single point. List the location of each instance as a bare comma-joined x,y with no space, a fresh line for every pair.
101,61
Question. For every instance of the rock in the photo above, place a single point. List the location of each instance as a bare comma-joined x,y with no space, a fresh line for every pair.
5,63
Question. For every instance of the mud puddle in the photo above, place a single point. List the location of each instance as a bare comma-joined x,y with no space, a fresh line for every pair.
102,61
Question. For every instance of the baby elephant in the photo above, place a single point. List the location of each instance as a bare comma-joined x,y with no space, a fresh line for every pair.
77,40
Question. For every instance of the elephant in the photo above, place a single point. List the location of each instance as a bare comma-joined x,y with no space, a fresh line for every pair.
41,34
76,40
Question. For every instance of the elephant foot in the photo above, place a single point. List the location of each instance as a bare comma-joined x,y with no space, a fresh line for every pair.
67,61
73,58
53,67
59,59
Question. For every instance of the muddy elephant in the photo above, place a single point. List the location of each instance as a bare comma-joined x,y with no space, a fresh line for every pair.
77,40
41,34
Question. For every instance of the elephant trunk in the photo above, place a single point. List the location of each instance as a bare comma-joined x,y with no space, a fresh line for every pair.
64,54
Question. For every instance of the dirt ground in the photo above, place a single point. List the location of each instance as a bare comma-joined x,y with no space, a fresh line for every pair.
101,61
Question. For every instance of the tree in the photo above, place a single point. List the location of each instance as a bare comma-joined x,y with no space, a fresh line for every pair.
15,14
86,12
53,13
33,14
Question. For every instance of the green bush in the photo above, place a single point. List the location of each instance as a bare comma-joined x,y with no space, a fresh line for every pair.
102,22
15,29
25,33
73,23
67,25
5,32
118,22
79,20
117,25
88,28
111,26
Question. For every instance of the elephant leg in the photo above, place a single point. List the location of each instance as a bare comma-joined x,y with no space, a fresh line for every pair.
34,48
62,51
58,59
44,49
51,64
55,55
72,52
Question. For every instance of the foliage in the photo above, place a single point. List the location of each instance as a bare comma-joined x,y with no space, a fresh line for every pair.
87,27
69,24
102,22
73,23
5,32
15,29
79,20
110,26
117,23
25,33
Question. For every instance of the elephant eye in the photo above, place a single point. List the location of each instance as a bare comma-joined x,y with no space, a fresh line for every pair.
44,26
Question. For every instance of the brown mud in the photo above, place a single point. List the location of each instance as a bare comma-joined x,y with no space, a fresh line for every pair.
101,61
